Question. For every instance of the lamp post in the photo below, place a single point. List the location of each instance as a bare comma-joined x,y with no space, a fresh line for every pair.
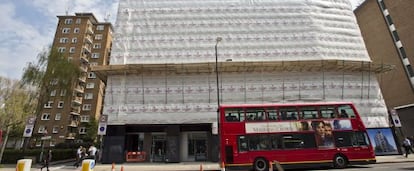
218,100
217,76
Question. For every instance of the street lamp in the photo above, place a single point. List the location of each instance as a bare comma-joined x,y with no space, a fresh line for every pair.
217,76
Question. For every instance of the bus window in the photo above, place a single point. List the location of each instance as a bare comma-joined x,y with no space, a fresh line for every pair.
255,114
346,111
232,115
294,141
328,111
308,113
288,113
271,114
243,144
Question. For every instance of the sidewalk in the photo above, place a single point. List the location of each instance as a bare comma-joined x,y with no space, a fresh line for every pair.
186,166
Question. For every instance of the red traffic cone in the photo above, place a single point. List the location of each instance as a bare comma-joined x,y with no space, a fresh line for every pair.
113,167
201,167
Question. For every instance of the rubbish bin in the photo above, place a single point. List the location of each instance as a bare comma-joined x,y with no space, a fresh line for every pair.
24,165
88,165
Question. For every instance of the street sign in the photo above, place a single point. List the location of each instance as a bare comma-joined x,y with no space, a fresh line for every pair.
103,120
28,130
395,118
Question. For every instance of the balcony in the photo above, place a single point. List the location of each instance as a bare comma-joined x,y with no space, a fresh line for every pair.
73,123
77,101
75,111
89,30
84,68
70,136
88,39
79,89
86,48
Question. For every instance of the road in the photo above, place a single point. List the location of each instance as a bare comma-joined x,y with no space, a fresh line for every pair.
374,167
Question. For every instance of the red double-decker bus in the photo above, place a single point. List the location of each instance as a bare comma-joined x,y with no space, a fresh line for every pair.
293,135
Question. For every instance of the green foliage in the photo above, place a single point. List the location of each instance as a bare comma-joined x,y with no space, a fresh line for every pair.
12,156
52,71
91,132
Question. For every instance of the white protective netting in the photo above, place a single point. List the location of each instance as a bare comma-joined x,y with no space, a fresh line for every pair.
185,31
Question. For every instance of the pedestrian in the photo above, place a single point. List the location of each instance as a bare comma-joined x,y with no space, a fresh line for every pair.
407,146
47,158
92,152
78,156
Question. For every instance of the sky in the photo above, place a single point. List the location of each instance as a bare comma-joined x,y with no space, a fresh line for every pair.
29,27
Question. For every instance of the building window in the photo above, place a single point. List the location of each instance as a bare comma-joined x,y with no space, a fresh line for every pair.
82,130
86,107
72,50
91,75
55,129
93,63
98,37
63,93
58,116
68,21
66,30
88,96
84,118
64,40
100,27
53,93
74,40
78,21
97,46
48,105
95,55
42,129
61,49
90,85
54,82
77,30
60,104
45,117
52,143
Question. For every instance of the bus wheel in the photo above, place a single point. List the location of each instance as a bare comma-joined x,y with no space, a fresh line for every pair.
340,161
261,164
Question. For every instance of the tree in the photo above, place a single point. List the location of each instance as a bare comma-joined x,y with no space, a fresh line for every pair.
51,72
16,105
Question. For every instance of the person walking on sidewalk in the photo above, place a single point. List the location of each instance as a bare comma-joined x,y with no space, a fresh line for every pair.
407,146
46,160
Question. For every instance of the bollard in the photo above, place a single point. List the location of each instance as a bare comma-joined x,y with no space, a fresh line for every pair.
222,167
88,165
278,166
24,165
113,166
122,168
201,167
270,166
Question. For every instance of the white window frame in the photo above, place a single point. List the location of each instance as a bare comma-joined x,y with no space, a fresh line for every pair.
58,116
78,21
48,105
72,50
98,37
64,40
84,118
45,117
91,75
87,107
62,93
75,40
95,55
41,129
55,129
76,30
53,93
88,96
66,30
60,104
90,85
61,49
68,21
100,27
97,46
82,130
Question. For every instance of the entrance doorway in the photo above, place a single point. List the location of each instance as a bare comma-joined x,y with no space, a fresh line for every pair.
197,146
158,147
